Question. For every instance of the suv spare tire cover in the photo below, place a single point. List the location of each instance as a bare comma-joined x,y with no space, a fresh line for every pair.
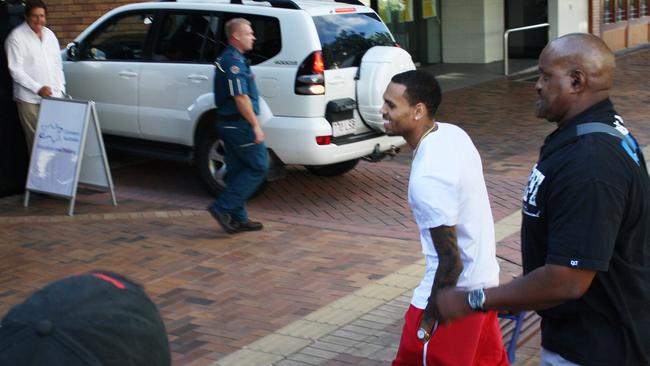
378,66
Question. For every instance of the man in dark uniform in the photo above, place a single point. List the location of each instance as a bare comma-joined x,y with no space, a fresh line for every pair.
237,102
586,221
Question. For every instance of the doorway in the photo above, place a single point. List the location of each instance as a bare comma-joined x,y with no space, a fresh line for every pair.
526,44
416,26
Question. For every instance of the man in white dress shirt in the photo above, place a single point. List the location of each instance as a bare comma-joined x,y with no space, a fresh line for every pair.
34,59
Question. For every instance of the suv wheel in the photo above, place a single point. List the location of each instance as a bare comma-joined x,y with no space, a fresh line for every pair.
212,163
332,170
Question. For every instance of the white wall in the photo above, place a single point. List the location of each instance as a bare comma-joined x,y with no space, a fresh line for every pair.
494,27
472,31
568,16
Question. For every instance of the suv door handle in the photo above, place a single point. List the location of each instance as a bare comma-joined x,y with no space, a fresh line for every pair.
128,74
197,77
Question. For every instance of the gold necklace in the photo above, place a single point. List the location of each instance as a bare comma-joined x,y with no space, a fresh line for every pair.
431,129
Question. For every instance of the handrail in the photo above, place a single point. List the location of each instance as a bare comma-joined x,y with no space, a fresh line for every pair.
505,42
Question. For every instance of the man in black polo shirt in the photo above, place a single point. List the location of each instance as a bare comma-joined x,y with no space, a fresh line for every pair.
586,221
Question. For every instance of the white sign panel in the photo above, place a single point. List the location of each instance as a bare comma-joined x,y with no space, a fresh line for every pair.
68,149
57,146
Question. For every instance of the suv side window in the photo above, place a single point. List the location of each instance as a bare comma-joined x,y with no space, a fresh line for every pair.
268,41
187,37
120,39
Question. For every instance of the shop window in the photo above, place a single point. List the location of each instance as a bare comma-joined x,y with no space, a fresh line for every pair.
633,9
608,11
623,10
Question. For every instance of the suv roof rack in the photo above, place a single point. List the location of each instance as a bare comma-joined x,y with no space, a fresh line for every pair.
284,4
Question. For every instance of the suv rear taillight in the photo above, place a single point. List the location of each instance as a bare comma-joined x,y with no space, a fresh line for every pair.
310,79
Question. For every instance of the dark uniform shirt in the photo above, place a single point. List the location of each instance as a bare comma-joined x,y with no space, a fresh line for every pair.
233,77
587,205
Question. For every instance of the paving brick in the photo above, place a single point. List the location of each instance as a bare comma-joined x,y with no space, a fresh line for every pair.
400,280
307,329
356,303
286,362
367,350
331,347
333,316
381,292
318,352
310,360
248,358
279,344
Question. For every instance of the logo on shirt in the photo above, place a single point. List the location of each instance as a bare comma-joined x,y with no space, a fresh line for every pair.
234,69
574,262
618,124
530,192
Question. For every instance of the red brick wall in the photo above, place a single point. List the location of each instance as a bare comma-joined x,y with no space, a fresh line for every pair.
67,18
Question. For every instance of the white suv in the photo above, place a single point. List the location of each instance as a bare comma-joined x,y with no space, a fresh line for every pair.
321,68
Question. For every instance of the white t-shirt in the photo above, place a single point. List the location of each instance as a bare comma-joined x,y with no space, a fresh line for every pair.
446,187
34,63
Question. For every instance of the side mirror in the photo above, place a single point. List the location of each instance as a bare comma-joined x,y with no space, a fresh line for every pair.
72,50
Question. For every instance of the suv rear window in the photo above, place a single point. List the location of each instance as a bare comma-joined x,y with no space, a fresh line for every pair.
345,38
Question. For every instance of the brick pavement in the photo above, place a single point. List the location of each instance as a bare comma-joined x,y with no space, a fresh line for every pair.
328,242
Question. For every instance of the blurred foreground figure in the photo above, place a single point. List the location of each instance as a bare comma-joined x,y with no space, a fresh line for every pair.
98,318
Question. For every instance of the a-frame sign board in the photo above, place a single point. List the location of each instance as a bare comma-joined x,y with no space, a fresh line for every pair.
68,149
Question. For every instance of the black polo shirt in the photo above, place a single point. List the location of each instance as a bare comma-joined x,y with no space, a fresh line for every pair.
587,205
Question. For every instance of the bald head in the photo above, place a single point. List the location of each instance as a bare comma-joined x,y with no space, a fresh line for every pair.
577,71
585,52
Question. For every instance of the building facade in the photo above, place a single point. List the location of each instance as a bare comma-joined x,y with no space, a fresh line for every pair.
452,31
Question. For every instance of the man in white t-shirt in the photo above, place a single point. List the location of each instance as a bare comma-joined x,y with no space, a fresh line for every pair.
34,60
450,204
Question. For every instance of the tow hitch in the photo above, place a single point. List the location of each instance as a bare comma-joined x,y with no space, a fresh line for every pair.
377,155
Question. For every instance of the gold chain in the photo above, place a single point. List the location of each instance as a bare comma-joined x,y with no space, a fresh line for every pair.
431,129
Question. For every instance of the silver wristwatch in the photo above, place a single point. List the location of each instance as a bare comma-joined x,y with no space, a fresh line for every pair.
423,335
476,299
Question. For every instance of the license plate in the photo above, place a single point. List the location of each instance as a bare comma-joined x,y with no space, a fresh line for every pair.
345,127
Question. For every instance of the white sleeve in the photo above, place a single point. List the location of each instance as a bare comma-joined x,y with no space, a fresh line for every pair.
15,56
436,200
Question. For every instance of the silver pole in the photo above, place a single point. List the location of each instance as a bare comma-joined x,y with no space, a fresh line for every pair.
505,42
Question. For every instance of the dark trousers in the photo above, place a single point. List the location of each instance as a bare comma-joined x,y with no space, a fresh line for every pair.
246,164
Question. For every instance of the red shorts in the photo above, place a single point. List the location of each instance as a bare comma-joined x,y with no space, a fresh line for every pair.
473,340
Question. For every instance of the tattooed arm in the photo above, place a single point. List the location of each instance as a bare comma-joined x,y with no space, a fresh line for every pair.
449,269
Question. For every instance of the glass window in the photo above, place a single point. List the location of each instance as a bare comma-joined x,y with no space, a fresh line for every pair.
633,9
643,8
268,40
121,39
187,38
345,38
608,14
621,11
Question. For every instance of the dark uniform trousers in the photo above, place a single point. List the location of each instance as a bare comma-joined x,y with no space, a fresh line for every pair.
247,164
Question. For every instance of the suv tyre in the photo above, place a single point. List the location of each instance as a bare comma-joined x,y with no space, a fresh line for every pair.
211,161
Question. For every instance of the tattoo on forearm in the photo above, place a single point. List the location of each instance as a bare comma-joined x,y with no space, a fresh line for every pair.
450,265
